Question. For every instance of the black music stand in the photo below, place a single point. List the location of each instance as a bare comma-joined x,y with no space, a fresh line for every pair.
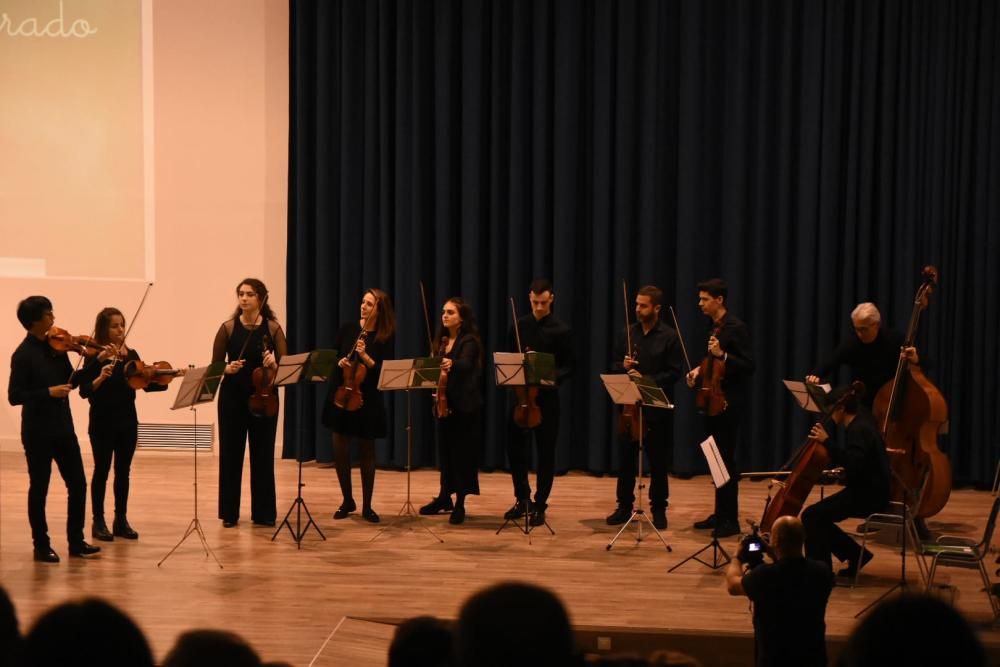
530,369
642,392
720,477
315,366
406,375
199,386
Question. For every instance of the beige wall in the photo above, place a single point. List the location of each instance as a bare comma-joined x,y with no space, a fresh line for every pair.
216,141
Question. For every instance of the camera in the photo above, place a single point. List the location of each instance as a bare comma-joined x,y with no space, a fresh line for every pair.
752,549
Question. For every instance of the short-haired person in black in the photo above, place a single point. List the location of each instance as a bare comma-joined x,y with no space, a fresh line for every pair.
866,485
540,331
656,354
114,424
254,332
41,380
789,599
729,343
459,430
365,421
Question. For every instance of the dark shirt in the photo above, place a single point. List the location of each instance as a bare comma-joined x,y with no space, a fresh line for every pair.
658,352
545,335
872,363
734,340
34,367
347,337
789,611
112,403
866,464
229,343
465,377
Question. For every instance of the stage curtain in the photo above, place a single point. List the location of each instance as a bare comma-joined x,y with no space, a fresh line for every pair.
813,154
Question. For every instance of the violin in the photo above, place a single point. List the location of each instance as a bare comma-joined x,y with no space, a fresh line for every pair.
264,400
348,395
61,340
629,420
140,375
808,466
441,409
709,397
527,414
912,411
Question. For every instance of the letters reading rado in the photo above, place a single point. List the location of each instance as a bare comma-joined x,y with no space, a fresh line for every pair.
34,27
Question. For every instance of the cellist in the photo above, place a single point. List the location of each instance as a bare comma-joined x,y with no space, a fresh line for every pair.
656,353
866,490
728,346
366,341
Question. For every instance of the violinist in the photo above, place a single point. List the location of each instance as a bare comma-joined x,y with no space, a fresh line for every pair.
540,331
656,354
459,431
362,419
871,354
728,346
250,339
41,379
114,423
866,489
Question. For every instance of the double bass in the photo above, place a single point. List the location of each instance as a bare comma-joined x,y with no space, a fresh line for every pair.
911,412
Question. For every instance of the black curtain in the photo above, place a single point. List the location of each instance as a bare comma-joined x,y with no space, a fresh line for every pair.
813,154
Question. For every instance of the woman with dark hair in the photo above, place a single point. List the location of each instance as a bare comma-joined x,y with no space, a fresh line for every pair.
366,341
459,431
251,338
114,423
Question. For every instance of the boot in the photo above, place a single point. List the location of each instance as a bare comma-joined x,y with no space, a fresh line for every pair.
122,529
99,530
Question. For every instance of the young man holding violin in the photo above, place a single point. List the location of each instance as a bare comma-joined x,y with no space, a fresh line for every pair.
728,345
41,379
539,331
656,353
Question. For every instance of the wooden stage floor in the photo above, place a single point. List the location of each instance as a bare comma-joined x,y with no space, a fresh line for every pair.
333,601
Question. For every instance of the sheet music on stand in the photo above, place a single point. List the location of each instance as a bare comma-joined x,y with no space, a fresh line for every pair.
626,389
199,385
720,475
809,396
531,369
315,366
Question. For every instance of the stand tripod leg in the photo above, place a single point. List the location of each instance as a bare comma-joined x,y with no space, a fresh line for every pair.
716,548
299,532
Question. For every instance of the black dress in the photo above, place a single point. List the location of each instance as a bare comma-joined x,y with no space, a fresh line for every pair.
368,422
460,433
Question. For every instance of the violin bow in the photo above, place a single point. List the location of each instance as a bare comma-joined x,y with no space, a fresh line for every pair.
427,320
517,332
364,325
677,327
260,315
628,329
131,324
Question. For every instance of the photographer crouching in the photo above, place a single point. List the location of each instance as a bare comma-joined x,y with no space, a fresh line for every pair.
789,596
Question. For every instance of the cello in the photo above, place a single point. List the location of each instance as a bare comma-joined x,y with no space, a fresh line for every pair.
807,464
911,412
527,414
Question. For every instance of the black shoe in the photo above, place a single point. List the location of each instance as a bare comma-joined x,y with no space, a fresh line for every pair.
518,510
99,530
83,549
619,516
864,528
438,506
853,566
46,555
537,518
345,509
726,528
230,524
122,529
457,516
370,516
269,523
660,519
705,523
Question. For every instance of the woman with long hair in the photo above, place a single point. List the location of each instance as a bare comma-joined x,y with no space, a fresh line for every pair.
250,339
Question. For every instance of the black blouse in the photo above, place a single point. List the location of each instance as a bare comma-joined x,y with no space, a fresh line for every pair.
465,379
112,403
229,341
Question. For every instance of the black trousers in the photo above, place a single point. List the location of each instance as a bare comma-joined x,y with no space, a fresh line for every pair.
458,453
117,445
545,436
824,538
40,453
725,428
236,426
658,444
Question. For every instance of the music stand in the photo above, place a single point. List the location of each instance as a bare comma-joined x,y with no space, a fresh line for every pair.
315,366
720,477
406,375
641,392
810,397
530,369
199,386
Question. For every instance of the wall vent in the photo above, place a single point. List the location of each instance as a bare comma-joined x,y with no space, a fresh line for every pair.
176,436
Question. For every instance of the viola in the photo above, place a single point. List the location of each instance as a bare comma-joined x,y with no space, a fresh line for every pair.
912,412
140,375
710,399
527,414
61,340
441,409
629,420
348,395
264,400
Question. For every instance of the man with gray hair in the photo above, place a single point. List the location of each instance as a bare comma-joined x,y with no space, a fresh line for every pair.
871,354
